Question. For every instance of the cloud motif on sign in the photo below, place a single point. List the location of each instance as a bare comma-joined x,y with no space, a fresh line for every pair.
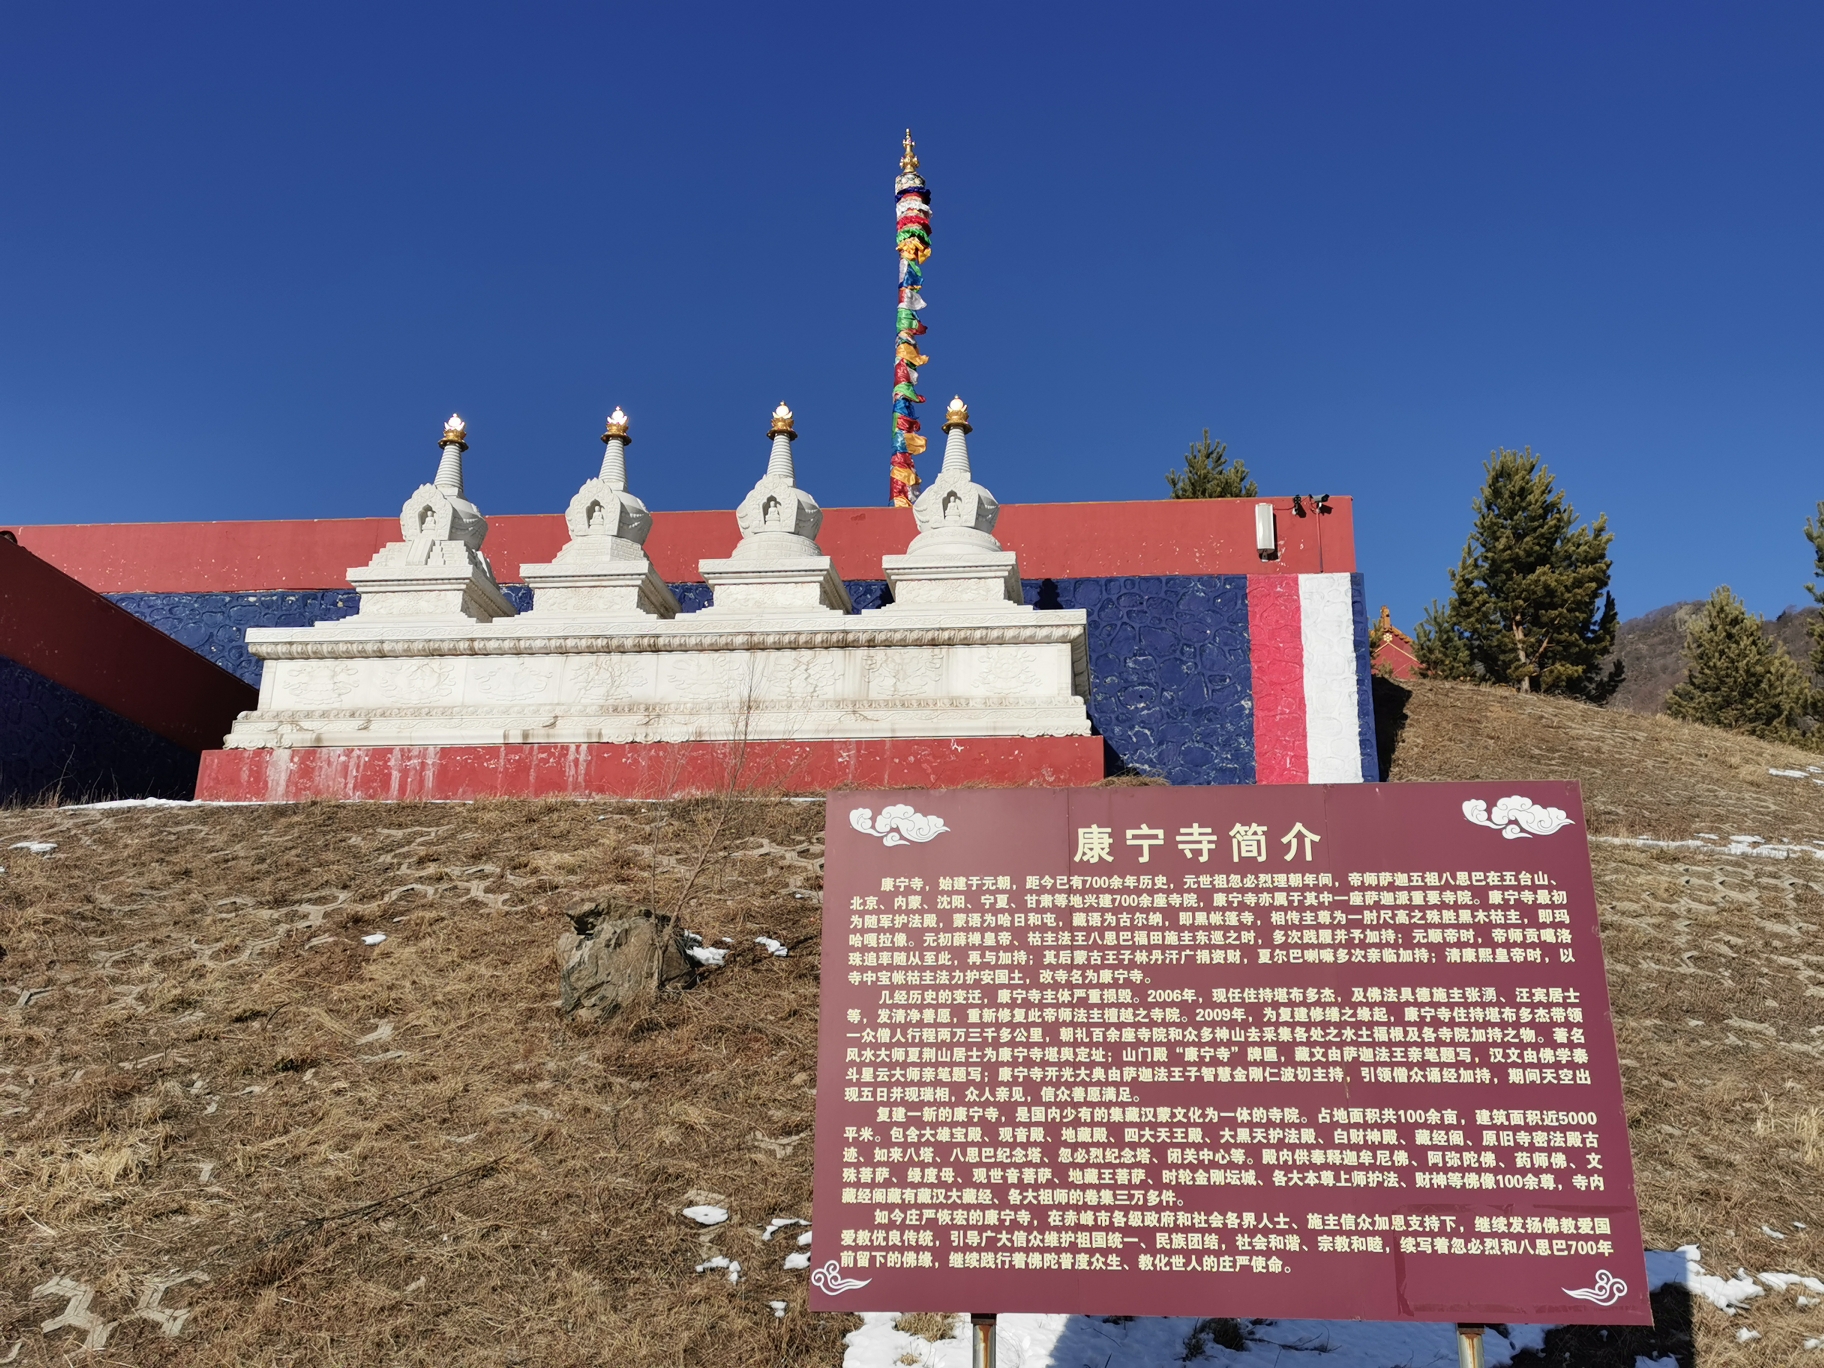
829,1278
1516,817
1608,1290
897,824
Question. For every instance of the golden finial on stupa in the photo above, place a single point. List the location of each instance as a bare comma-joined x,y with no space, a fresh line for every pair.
909,162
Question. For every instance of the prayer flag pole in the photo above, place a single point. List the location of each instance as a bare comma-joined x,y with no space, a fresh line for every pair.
912,238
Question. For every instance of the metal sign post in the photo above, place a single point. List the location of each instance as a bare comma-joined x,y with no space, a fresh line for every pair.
1469,1346
981,1334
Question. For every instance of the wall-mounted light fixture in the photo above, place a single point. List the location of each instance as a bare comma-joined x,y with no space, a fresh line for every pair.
1266,532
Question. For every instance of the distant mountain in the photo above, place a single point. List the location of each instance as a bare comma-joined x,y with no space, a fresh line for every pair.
1653,648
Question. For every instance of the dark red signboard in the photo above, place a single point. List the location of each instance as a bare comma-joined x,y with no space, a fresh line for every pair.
1334,1051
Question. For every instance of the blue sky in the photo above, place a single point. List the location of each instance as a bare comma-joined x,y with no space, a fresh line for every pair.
252,255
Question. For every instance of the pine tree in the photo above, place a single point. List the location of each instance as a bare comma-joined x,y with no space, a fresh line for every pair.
1530,604
1209,474
1737,678
1814,533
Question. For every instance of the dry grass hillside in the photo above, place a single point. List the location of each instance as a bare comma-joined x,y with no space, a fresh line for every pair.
223,1112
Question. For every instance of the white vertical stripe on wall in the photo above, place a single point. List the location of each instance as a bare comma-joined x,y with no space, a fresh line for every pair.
1332,723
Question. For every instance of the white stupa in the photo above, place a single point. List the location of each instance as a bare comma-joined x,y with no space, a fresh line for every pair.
777,566
955,563
438,571
603,571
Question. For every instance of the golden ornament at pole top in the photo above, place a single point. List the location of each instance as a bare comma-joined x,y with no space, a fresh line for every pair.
782,424
909,162
617,427
957,416
455,432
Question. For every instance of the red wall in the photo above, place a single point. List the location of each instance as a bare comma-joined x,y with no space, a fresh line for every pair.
1054,541
663,769
72,636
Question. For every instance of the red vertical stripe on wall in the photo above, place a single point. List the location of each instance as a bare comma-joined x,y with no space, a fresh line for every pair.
1276,647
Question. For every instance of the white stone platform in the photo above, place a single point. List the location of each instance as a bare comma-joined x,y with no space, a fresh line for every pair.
798,677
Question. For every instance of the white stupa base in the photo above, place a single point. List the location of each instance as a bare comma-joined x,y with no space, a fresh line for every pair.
972,579
429,591
768,585
774,675
630,591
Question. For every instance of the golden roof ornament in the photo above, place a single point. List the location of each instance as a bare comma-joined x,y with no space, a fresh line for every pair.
909,162
957,415
782,423
455,431
617,428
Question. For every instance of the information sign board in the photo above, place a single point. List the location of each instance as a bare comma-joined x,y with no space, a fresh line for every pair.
1334,1051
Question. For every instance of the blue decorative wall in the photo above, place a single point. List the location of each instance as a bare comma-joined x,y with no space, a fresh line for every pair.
56,743
1171,686
215,625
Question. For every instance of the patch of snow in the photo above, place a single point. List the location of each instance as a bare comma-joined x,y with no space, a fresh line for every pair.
1814,1343
1056,1341
778,1309
805,1238
779,1223
1682,1266
710,956
722,1261
374,939
794,1262
1744,1335
136,803
1738,845
706,1215
1790,774
773,947
1780,1282
36,847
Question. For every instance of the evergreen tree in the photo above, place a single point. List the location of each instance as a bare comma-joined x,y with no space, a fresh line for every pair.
1738,678
1530,604
1209,474
1814,533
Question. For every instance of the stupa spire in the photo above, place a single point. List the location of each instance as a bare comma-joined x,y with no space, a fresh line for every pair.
956,439
615,441
783,434
912,238
454,442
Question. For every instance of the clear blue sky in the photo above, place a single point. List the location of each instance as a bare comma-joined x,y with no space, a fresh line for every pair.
253,255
